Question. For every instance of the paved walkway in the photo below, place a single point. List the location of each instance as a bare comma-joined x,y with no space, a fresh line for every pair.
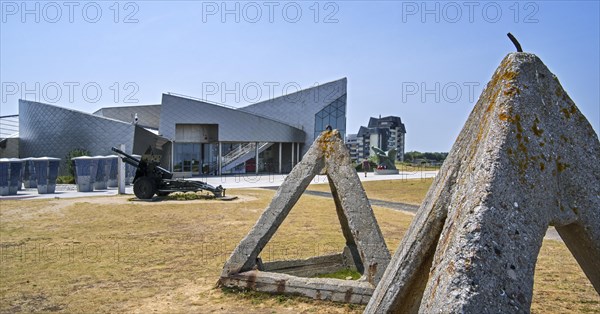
275,180
228,182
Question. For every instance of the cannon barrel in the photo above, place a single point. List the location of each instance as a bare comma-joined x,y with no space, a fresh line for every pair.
126,157
136,162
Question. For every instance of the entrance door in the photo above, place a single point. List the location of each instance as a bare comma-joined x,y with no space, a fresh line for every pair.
187,158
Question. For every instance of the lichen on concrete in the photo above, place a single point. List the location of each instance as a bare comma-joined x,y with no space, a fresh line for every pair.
525,159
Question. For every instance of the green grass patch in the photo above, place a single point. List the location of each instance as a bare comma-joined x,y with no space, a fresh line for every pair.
346,274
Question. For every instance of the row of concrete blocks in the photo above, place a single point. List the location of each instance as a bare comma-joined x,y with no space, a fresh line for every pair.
40,173
99,172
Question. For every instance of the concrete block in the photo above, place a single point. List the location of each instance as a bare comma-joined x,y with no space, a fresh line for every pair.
526,159
46,172
10,175
86,168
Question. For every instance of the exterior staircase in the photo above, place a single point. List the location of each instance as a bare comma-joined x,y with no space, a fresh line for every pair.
242,154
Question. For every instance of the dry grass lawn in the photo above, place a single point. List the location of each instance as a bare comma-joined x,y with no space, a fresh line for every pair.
403,191
110,254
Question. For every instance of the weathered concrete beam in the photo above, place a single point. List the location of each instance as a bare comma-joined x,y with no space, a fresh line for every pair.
525,159
329,289
356,216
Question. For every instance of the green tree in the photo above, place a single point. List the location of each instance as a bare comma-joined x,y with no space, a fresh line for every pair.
431,156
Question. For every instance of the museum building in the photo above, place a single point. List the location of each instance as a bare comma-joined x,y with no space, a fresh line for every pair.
194,137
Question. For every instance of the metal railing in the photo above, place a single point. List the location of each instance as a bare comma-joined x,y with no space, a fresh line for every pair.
237,152
241,151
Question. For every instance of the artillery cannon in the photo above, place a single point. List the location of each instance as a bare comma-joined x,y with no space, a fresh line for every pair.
150,178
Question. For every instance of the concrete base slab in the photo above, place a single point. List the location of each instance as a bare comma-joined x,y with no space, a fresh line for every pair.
336,290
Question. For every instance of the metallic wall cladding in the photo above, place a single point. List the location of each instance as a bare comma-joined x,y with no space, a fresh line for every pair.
47,130
148,116
234,125
299,109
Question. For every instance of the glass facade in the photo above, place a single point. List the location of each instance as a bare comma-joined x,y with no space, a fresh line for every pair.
202,158
187,158
334,115
210,151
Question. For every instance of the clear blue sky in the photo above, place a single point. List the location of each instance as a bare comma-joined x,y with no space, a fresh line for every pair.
385,49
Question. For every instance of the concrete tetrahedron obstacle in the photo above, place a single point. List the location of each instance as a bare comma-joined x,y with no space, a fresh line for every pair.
525,159
365,247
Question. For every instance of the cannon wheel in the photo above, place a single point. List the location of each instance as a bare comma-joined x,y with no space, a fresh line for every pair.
144,188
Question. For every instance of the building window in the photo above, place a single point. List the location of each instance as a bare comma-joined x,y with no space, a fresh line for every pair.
334,115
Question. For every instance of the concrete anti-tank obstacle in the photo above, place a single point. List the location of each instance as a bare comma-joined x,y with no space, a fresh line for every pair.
365,247
526,158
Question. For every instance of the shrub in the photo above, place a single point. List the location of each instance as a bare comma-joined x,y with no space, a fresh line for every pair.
188,196
65,180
